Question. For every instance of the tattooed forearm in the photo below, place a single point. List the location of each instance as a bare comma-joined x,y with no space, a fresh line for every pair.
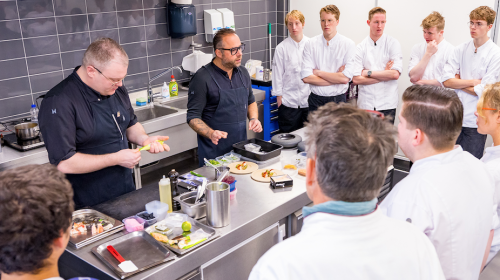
201,127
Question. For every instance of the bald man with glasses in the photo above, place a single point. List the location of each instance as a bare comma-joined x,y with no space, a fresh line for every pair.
221,99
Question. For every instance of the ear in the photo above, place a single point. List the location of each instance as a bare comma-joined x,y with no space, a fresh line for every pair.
441,32
91,71
490,26
310,171
498,117
368,22
418,137
61,241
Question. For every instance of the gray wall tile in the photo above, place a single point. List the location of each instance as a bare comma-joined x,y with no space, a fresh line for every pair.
158,46
257,32
257,7
72,59
41,45
201,2
130,18
138,65
220,1
156,3
71,24
124,5
68,72
280,5
160,61
11,49
13,68
200,26
243,33
100,6
242,21
241,8
132,34
111,33
14,87
135,50
8,10
73,42
178,56
14,106
259,44
69,7
200,9
103,21
38,27
155,16
10,30
180,44
44,82
35,9
226,5
43,64
135,82
157,31
271,5
258,19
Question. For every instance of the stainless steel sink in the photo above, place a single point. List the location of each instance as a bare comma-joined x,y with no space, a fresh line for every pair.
150,113
180,103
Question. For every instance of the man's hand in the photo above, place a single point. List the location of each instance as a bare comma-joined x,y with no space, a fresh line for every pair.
155,146
217,135
341,69
255,125
317,72
128,158
389,65
432,47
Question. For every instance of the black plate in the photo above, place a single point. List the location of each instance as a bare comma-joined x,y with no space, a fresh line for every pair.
270,150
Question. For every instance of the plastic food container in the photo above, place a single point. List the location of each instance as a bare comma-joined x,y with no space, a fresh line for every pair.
223,160
251,147
158,208
232,194
147,222
136,225
214,164
232,157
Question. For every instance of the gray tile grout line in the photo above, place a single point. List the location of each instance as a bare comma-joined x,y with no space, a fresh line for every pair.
88,25
58,45
146,39
117,23
24,49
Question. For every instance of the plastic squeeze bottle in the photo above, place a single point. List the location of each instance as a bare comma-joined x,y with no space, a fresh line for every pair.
165,91
174,88
165,192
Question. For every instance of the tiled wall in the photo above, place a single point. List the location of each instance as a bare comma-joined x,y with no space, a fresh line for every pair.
41,41
282,7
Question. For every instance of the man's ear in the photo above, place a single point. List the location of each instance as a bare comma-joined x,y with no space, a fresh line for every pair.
498,117
418,137
368,22
310,171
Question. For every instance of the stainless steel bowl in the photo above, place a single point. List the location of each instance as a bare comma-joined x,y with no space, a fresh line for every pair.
27,131
195,211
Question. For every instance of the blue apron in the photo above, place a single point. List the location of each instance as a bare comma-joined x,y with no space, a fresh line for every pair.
230,116
111,120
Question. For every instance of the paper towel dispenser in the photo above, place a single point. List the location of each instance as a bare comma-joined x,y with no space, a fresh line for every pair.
181,20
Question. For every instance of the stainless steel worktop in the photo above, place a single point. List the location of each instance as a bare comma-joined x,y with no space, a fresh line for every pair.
255,208
10,158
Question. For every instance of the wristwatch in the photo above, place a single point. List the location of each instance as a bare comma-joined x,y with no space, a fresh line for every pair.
369,73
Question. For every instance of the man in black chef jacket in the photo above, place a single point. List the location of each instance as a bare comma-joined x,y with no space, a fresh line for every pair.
86,122
221,98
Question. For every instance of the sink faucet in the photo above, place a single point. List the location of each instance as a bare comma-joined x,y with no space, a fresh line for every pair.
150,89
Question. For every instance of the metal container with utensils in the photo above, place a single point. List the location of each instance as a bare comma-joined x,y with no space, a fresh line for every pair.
27,131
218,214
219,170
195,211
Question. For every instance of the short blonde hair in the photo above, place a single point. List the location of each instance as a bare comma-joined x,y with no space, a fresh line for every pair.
296,15
490,98
376,10
483,13
331,9
102,51
434,19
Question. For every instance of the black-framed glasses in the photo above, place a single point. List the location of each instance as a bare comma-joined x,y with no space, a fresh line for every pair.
235,50
113,82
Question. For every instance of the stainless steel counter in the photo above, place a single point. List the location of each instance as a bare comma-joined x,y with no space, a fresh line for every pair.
10,158
255,208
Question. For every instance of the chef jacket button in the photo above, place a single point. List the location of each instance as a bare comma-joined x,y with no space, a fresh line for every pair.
408,220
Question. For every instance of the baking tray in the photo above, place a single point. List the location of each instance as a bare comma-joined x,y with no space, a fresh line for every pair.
78,241
270,150
139,247
195,225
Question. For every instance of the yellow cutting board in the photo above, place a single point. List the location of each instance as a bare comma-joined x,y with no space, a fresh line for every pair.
257,175
251,167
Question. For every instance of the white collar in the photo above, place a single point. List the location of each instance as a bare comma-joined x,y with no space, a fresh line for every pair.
436,159
493,150
379,39
329,43
298,44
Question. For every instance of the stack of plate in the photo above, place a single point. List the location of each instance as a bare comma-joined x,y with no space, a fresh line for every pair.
81,240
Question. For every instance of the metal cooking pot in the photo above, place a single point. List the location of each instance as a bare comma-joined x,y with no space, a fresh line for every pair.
27,131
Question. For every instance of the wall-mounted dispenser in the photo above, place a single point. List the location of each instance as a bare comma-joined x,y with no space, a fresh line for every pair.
213,23
227,18
181,19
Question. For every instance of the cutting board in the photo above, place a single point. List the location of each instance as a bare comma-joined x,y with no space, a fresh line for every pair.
257,175
251,167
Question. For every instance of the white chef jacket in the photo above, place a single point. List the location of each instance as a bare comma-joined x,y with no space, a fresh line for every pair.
492,160
287,83
329,58
484,65
383,95
435,67
449,197
332,246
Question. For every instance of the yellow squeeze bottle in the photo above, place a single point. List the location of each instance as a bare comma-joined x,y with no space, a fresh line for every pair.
165,192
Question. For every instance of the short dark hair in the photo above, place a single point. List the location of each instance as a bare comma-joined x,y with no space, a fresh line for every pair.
220,35
36,204
436,111
353,150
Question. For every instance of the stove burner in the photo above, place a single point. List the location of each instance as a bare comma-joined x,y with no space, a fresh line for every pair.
11,140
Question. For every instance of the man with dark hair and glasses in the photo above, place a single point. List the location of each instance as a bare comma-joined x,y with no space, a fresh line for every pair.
87,121
221,99
469,69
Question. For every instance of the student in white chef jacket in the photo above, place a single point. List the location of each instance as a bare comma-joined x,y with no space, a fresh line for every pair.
488,122
376,67
428,58
345,235
448,194
477,63
325,57
291,92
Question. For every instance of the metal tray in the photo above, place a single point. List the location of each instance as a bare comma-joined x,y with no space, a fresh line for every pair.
81,240
195,225
270,150
139,247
